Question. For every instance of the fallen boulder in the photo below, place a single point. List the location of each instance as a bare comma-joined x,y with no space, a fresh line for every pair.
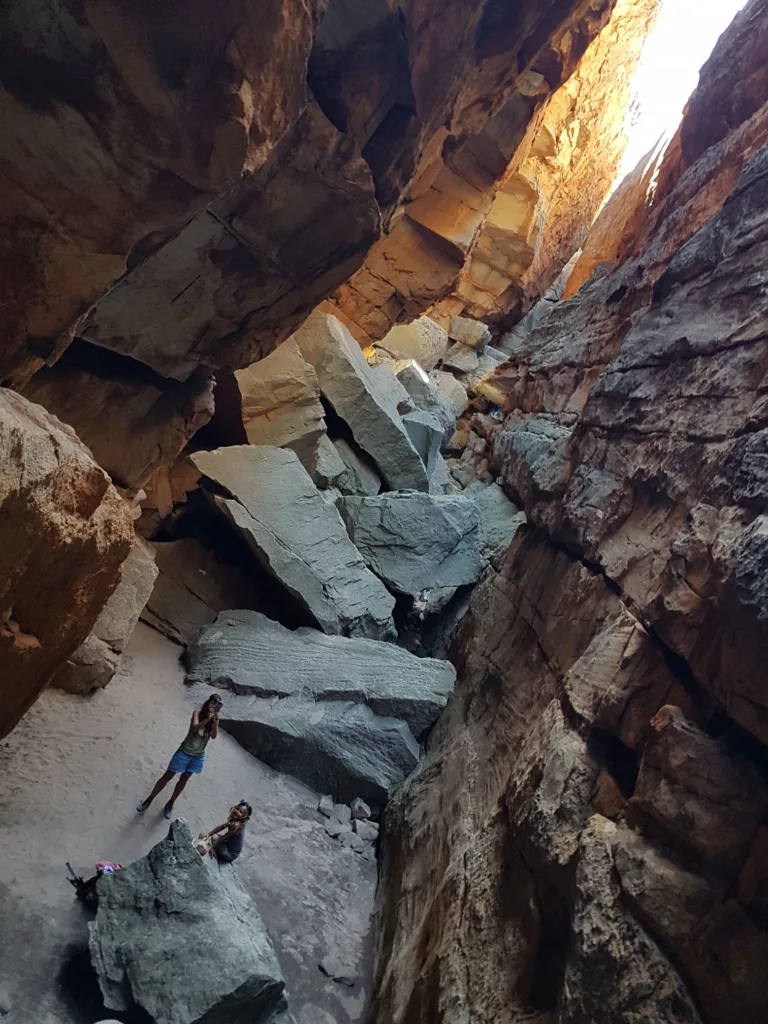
451,388
333,746
416,542
473,333
422,340
461,358
353,390
97,659
427,436
248,653
500,519
427,397
192,587
361,477
183,943
299,538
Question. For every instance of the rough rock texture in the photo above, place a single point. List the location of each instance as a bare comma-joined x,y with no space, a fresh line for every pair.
585,839
500,519
165,122
422,340
416,542
428,398
66,532
361,477
469,332
358,397
192,587
97,659
299,538
280,402
172,900
253,655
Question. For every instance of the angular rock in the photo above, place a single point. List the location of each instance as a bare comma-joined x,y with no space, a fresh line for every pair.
461,359
325,806
416,542
500,519
389,387
473,333
613,966
360,809
333,968
428,398
95,662
299,538
361,477
250,654
65,533
325,465
422,340
280,402
192,587
451,388
346,381
171,900
336,745
427,436
367,830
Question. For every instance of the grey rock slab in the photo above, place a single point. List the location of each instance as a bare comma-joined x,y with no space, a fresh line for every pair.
427,436
246,652
325,464
461,358
299,538
360,400
500,519
325,806
367,830
416,542
360,809
169,902
331,745
452,388
361,476
352,841
332,967
422,340
389,388
473,333
427,397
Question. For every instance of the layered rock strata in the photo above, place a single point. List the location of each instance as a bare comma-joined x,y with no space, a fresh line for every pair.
588,826
66,532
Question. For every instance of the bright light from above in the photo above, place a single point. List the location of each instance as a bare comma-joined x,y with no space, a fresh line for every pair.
682,40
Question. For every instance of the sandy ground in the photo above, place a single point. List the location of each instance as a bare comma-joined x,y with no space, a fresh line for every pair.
71,775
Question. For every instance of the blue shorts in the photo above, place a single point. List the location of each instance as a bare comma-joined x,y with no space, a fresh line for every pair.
181,763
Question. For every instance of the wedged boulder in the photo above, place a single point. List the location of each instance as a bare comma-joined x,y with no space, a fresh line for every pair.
500,519
280,402
389,388
427,436
428,398
351,387
473,333
361,477
422,340
183,942
299,538
451,388
253,655
65,532
416,542
461,358
337,747
325,466
97,659
192,587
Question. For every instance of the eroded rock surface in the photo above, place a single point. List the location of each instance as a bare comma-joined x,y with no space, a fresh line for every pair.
66,532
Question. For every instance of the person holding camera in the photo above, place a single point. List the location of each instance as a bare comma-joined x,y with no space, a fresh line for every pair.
190,757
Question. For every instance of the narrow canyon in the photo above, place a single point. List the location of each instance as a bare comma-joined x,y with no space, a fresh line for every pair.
345,375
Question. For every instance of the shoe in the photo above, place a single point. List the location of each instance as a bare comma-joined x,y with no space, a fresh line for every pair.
168,810
142,806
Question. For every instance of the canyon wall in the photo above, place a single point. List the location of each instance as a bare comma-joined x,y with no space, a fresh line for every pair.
586,837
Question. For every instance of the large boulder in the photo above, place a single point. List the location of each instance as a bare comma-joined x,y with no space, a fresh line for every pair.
182,942
428,398
422,340
65,533
97,659
416,542
280,402
339,747
299,538
473,333
248,653
500,519
360,400
360,476
192,587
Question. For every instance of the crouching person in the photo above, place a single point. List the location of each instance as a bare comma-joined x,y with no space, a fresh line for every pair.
227,847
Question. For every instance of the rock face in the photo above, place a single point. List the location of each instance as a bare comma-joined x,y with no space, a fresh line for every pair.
192,587
66,533
254,656
422,340
171,900
416,542
95,662
299,538
354,392
587,828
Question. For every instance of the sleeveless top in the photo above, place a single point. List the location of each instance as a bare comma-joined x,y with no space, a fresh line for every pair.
195,741
235,843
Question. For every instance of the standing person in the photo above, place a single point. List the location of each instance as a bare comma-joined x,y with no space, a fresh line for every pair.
229,846
190,757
